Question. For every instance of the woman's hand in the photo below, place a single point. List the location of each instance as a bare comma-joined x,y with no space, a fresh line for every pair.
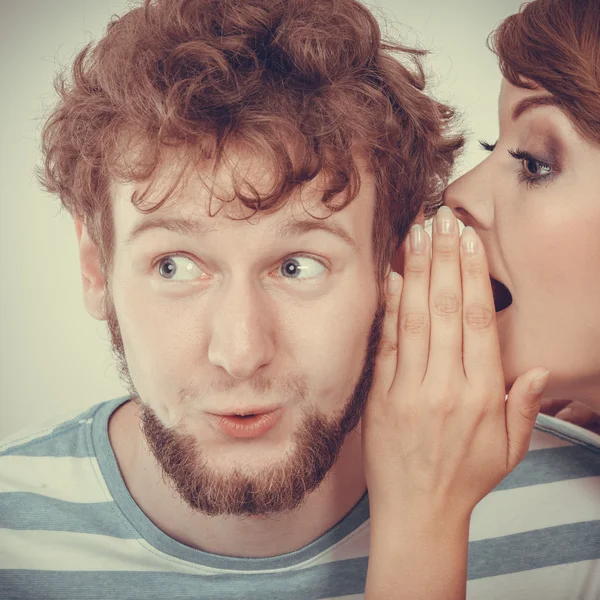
438,434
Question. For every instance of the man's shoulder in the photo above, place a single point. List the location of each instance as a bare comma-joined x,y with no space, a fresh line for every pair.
60,435
56,458
562,464
546,513
559,452
57,512
550,428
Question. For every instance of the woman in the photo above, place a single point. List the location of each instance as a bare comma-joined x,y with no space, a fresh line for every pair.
534,201
532,208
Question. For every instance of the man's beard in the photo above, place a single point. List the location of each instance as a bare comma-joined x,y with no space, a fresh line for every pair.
275,488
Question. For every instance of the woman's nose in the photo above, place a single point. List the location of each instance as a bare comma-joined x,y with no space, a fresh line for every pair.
470,198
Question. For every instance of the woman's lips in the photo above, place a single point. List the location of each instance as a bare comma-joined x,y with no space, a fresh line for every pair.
246,427
502,296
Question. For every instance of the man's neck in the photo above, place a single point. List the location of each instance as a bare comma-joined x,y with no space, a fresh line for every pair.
249,537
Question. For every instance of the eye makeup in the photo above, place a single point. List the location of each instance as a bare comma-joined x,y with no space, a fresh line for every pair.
545,145
539,152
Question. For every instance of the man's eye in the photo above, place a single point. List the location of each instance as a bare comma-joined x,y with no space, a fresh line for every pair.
178,268
301,267
181,268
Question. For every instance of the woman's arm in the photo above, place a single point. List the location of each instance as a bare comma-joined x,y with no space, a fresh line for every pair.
438,431
421,557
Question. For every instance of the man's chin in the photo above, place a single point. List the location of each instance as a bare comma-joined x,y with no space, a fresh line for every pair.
243,491
243,465
260,481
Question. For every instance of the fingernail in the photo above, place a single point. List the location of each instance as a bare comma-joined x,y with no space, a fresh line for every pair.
394,283
539,383
417,239
468,240
445,219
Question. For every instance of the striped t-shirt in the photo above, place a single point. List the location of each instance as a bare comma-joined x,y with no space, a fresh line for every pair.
69,529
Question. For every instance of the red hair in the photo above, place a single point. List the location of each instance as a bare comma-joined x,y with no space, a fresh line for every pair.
197,75
556,45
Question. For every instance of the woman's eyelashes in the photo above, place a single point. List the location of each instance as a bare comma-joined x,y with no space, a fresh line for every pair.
486,146
533,170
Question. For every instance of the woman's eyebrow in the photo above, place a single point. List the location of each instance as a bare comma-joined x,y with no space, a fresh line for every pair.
533,102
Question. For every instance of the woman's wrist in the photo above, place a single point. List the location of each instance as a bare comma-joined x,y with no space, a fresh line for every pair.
418,556
407,527
423,514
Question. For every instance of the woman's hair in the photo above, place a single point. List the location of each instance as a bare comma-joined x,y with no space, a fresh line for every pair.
556,45
308,84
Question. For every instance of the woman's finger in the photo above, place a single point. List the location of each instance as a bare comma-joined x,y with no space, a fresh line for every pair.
522,408
445,298
481,348
413,327
387,355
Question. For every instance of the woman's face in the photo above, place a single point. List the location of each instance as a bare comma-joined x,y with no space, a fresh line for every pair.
535,203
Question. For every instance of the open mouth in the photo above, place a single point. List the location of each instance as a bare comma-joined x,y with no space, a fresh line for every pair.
502,296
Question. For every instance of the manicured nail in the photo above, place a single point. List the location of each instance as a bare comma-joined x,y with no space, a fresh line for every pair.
417,239
468,240
539,383
394,283
445,220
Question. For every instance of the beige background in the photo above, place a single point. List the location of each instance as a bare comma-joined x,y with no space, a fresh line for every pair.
54,357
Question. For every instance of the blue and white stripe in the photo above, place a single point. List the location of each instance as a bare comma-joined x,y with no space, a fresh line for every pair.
70,529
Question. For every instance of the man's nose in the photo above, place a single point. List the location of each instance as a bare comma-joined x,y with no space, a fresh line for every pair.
470,198
242,329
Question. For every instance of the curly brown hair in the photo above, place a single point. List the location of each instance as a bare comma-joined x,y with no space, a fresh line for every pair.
197,75
556,45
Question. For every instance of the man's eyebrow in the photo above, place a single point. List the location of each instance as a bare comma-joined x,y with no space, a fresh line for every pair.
533,102
189,227
296,228
195,228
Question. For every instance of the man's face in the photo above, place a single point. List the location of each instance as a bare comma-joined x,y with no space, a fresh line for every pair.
218,318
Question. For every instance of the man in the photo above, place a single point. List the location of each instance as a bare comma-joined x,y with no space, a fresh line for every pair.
204,150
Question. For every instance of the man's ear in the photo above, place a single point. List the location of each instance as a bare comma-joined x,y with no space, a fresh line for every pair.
94,286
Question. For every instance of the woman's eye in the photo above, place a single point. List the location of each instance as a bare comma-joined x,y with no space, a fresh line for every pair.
532,170
536,167
178,268
301,267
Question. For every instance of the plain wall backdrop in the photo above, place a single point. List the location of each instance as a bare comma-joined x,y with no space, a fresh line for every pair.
54,358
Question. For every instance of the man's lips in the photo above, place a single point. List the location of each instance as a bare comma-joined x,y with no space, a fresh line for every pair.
254,423
243,411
